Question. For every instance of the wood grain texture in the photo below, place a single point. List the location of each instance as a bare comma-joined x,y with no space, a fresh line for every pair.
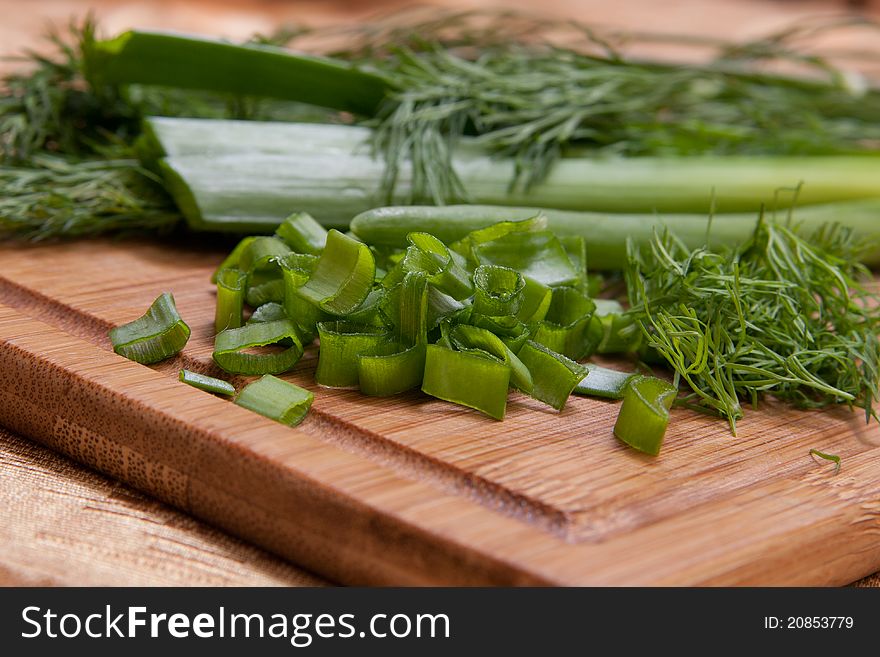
413,490
20,536
63,524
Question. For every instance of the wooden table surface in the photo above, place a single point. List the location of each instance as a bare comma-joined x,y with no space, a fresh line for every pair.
64,524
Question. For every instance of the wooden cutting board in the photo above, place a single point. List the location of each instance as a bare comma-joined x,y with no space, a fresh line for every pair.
411,490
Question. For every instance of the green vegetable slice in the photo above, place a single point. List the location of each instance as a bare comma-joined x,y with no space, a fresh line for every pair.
276,399
302,233
537,255
536,301
400,365
606,307
342,343
446,269
576,249
467,378
604,382
570,327
206,383
343,275
268,312
230,348
383,375
490,231
230,299
472,338
644,414
620,333
156,335
261,252
369,312
234,258
554,375
498,290
296,269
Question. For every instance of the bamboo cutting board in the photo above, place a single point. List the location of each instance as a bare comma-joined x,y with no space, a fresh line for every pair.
411,490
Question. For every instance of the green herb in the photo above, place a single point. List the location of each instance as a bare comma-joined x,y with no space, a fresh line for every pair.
828,457
448,88
54,197
781,314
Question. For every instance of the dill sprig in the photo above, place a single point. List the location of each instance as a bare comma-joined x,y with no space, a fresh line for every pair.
51,108
53,197
67,163
782,315
532,89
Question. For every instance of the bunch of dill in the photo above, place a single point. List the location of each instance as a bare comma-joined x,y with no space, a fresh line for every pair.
783,314
68,165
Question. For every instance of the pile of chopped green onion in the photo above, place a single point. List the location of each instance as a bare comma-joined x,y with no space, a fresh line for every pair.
507,306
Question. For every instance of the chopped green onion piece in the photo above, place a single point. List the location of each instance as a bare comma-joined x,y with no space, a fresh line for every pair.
576,249
620,334
382,375
230,346
400,365
234,258
828,457
498,290
467,378
264,286
268,312
570,327
296,269
607,307
343,275
341,344
493,231
156,335
604,382
230,299
504,326
536,301
302,233
473,338
259,260
261,253
206,383
446,269
537,255
276,399
554,375
369,311
405,306
644,414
